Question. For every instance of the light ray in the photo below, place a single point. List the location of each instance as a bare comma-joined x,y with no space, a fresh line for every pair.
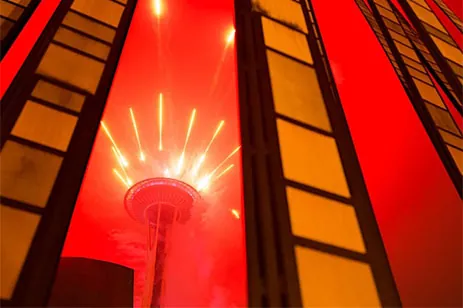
160,115
182,156
224,172
134,123
228,40
121,178
203,156
124,160
123,168
235,213
158,8
205,181
225,160
230,36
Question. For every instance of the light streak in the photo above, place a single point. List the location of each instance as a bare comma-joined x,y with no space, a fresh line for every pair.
160,121
203,156
205,181
228,40
225,160
121,178
235,213
157,8
124,160
182,156
119,160
167,173
224,172
142,155
230,36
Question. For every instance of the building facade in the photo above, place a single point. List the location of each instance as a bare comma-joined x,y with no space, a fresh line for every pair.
310,231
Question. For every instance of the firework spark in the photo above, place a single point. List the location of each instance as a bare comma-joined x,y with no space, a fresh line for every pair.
134,123
177,170
160,121
123,159
157,8
235,213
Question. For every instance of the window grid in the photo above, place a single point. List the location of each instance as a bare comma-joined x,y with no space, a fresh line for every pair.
420,92
13,17
450,14
69,101
436,49
316,47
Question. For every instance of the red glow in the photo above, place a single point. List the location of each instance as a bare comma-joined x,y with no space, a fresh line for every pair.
23,44
417,207
178,53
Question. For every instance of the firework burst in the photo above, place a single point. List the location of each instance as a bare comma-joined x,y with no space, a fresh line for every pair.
186,166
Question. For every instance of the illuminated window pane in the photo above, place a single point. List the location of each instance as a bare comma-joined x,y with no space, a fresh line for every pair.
106,11
457,157
45,126
383,3
71,67
22,2
421,2
296,92
387,13
442,119
419,75
5,26
332,281
456,68
310,158
427,16
448,50
429,93
452,139
88,26
400,38
439,34
59,96
10,10
414,64
407,51
393,25
82,43
286,11
324,220
27,174
17,230
286,40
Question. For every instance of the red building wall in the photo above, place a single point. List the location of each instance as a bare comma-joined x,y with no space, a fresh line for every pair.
418,210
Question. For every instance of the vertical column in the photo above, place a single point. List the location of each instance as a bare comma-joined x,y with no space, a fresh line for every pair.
301,170
443,48
407,57
14,15
50,116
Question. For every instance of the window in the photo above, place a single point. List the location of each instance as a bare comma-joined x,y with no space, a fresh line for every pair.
296,92
58,96
311,159
70,67
27,174
17,229
45,126
321,219
332,281
286,40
